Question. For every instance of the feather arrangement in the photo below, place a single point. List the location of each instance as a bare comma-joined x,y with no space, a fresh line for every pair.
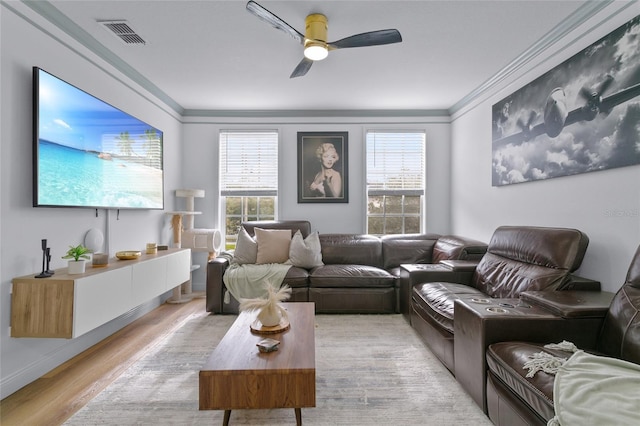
270,309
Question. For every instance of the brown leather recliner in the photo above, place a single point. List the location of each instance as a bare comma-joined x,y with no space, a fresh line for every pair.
514,399
518,258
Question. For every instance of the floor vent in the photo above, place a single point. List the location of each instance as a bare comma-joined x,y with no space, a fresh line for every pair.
123,31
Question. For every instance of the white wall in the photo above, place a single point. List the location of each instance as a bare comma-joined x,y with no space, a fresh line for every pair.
605,204
23,46
200,170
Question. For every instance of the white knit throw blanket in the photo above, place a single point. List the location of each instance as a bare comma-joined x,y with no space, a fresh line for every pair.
590,389
246,281
544,361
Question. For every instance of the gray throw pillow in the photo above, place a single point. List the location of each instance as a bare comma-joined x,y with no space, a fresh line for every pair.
305,253
246,248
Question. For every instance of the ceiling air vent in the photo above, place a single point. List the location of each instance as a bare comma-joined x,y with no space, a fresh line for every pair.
123,31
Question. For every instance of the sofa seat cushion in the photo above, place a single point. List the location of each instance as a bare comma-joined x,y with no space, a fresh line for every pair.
437,299
350,276
296,277
505,361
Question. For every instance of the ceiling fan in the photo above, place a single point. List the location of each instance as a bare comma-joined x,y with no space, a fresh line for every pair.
315,42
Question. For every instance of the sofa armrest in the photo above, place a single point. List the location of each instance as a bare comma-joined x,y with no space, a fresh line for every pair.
571,304
478,324
418,273
461,265
215,285
427,273
581,283
457,247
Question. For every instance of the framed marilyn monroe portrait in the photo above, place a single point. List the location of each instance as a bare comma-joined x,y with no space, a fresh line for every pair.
323,167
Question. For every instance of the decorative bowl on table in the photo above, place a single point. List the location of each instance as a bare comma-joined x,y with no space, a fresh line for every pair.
128,255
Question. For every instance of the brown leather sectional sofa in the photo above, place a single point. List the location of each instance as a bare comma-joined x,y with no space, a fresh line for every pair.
513,398
466,299
518,258
360,273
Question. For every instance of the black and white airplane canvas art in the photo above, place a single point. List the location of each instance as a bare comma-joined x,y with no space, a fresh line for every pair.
581,116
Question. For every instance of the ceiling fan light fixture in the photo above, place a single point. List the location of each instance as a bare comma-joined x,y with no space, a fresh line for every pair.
315,51
315,44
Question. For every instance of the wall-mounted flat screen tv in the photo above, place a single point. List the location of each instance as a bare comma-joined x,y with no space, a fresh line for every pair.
86,153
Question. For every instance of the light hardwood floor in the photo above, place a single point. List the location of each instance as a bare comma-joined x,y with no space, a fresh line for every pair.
57,395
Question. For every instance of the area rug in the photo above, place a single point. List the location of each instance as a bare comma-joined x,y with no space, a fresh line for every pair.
370,370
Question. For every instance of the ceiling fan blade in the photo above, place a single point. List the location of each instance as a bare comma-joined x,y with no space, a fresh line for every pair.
274,21
372,38
302,68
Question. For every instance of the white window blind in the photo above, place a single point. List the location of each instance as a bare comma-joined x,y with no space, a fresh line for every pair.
395,163
248,163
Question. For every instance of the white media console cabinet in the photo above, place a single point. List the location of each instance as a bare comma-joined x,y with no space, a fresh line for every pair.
67,306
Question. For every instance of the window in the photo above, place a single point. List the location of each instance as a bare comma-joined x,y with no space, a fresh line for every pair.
395,182
248,179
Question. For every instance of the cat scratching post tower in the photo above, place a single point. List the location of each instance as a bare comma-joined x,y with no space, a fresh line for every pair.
200,240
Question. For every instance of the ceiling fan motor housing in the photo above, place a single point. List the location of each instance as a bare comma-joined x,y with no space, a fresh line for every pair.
315,42
316,31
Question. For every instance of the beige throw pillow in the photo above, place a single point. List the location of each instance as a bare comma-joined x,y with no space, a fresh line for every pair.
305,253
246,248
273,245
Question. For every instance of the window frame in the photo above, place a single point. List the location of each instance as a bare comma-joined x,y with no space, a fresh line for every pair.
381,192
245,194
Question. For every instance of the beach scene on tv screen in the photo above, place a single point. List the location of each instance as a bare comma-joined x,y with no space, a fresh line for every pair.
92,154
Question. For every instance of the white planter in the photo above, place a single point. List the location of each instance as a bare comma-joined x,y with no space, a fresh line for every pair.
76,267
270,315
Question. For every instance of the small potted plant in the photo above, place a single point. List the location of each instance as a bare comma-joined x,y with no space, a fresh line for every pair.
79,255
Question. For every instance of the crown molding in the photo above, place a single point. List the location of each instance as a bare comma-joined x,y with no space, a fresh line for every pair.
581,15
577,18
57,18
306,113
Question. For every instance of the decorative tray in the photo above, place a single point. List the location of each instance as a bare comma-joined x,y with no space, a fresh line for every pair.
128,255
258,328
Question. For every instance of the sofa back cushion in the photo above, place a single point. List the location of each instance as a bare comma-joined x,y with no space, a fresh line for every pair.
521,258
453,247
409,248
351,249
294,225
620,333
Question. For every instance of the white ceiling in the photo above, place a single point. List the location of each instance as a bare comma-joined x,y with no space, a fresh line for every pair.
214,55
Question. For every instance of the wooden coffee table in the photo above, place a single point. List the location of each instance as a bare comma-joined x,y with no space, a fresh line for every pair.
238,376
